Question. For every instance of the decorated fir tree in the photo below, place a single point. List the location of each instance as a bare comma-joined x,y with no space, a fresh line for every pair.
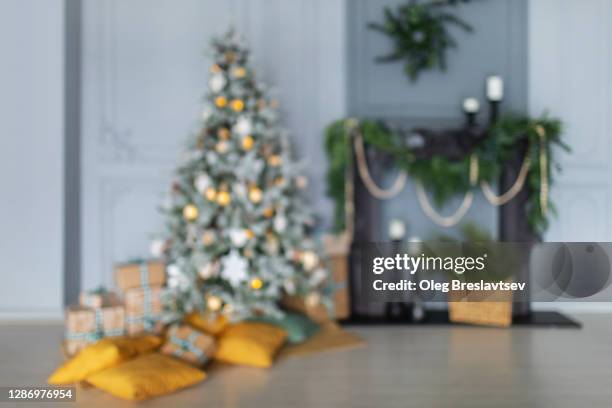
237,225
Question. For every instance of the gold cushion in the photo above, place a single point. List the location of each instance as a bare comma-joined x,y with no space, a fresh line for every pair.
105,353
146,376
250,343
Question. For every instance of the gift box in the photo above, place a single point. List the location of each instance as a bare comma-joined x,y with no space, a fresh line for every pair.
143,308
337,249
188,344
85,325
97,298
140,273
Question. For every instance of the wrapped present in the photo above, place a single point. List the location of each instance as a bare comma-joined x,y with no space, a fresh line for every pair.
337,248
189,344
143,308
140,273
85,325
99,297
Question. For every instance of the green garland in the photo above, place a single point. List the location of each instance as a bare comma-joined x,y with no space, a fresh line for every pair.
420,35
445,178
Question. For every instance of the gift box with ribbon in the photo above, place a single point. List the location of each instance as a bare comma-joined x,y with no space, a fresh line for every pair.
189,344
139,273
144,310
85,325
99,297
337,248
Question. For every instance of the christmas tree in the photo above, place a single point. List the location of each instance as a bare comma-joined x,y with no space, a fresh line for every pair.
237,225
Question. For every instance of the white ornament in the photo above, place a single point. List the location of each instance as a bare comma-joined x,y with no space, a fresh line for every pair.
209,270
173,270
318,276
201,183
238,237
217,82
243,126
289,286
235,268
157,248
280,223
309,260
206,112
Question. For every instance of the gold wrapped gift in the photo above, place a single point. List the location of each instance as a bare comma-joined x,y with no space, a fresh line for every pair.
85,325
188,344
143,310
140,273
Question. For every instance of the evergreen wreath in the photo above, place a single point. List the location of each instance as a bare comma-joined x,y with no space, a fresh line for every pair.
420,35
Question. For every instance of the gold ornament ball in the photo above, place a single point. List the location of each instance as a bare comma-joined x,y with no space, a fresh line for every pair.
223,133
240,72
213,303
215,69
248,142
268,212
223,198
221,101
275,160
237,105
256,283
255,195
190,212
210,194
249,233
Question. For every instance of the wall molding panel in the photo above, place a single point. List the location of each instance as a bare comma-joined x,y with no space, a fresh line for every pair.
570,74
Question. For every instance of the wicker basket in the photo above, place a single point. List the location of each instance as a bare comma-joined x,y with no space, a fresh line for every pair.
479,309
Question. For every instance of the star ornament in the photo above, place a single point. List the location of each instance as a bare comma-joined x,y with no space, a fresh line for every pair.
234,268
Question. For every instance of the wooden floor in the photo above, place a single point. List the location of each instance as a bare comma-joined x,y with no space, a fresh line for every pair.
400,367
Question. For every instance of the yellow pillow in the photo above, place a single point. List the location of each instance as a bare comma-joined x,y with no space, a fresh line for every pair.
146,376
103,354
250,343
207,324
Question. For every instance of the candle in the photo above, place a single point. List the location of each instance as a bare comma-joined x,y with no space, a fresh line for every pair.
495,88
397,229
415,245
471,105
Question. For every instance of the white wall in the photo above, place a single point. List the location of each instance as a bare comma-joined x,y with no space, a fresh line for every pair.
144,73
31,157
570,73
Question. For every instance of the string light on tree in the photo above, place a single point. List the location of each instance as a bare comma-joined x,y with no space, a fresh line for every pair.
213,303
190,212
255,195
223,198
